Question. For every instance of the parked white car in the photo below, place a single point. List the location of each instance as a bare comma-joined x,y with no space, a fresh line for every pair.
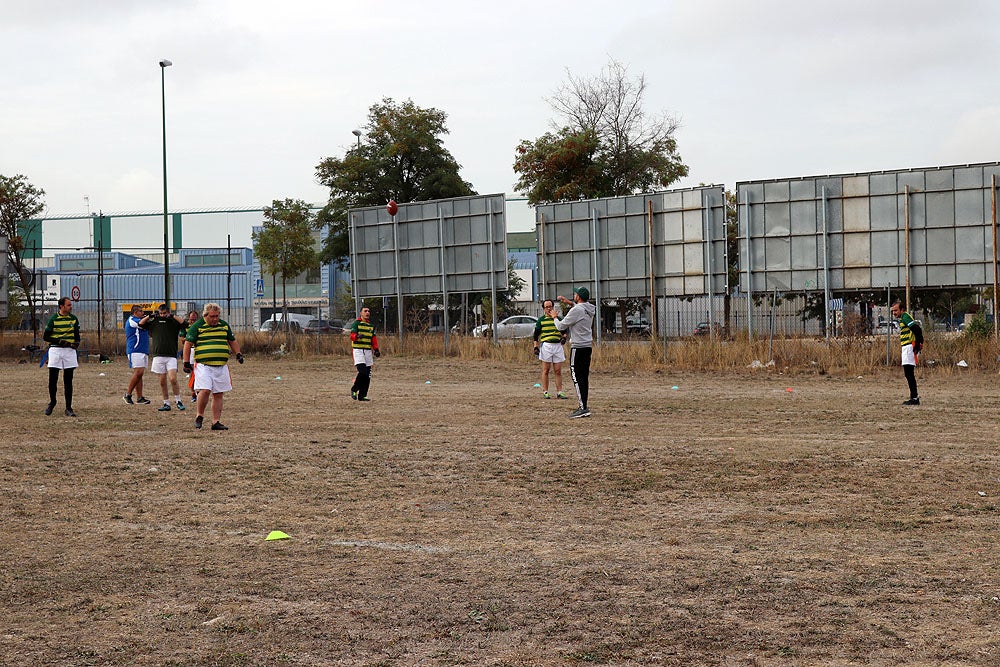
885,327
515,326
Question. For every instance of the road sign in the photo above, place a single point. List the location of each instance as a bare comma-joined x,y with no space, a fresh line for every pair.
75,293
259,288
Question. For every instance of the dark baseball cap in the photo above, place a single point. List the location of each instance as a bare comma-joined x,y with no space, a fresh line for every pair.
583,293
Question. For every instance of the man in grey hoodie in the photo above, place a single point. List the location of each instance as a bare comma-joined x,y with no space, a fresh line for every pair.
579,322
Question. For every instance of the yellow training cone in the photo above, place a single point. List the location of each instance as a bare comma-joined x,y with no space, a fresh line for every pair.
276,535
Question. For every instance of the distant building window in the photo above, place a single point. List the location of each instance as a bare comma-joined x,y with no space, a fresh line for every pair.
212,260
84,264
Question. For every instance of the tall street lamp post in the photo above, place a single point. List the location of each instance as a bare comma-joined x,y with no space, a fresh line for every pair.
357,133
164,64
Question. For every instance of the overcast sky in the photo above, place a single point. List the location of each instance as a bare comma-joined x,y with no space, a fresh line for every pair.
260,92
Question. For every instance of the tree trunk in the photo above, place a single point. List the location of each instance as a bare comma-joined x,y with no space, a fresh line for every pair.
22,274
284,303
726,306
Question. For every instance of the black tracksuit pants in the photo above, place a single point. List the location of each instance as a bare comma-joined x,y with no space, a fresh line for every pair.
579,366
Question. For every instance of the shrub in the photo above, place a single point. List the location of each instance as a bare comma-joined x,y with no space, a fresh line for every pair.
978,327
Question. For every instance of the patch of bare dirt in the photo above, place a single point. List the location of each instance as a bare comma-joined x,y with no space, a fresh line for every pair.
459,519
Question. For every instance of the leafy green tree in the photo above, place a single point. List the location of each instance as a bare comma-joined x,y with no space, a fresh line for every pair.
944,304
604,143
19,201
506,302
978,327
285,244
814,305
343,305
507,306
732,255
623,310
924,302
400,156
560,166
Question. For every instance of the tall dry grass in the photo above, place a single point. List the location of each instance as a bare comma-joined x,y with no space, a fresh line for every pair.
850,355
858,355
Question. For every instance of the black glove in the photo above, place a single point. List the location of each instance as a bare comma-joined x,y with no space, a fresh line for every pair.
376,352
188,368
917,347
75,344
239,357
563,339
536,351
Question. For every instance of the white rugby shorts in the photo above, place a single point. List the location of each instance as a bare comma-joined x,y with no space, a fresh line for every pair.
161,365
214,378
363,357
552,352
909,359
62,357
138,360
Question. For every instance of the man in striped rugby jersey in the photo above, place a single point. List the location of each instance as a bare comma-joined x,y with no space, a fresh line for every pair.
549,350
62,333
911,340
213,341
364,348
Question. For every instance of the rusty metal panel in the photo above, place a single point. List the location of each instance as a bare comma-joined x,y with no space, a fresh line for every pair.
857,250
857,278
856,215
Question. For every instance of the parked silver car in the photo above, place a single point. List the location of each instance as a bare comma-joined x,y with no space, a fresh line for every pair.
515,326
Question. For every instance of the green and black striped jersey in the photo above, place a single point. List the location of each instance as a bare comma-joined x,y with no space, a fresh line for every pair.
62,327
211,342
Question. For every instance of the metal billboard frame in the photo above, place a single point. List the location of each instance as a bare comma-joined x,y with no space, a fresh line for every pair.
925,227
429,247
929,227
667,243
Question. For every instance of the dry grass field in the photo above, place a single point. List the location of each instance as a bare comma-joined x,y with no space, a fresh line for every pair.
698,518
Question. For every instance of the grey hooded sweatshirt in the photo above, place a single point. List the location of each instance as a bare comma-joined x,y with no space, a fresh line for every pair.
579,322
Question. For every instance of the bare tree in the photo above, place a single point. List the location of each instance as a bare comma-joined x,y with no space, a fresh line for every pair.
604,142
